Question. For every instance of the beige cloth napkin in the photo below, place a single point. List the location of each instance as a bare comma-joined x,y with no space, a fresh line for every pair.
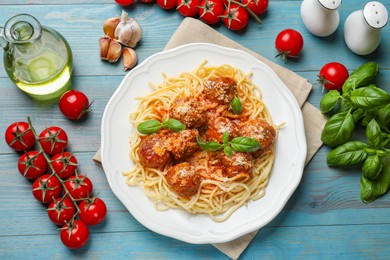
193,30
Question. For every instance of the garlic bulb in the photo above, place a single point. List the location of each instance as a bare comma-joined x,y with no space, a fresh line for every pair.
128,32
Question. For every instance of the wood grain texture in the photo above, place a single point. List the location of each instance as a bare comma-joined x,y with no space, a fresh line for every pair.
324,219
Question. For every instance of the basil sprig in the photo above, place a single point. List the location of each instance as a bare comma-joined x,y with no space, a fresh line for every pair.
238,144
236,106
361,101
153,125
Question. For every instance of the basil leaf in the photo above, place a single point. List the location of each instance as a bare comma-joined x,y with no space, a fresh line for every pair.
383,117
174,125
369,97
236,106
362,76
149,127
343,105
228,150
358,114
225,138
329,101
210,146
370,190
374,134
350,153
338,129
245,144
372,167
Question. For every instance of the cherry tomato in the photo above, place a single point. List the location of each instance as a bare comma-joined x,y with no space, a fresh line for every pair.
32,164
92,211
74,234
188,8
19,136
167,4
235,17
333,75
65,164
53,140
124,2
79,186
74,104
61,210
210,11
289,43
46,188
256,6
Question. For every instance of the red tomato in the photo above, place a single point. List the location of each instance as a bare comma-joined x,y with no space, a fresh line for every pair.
74,234
333,75
289,43
61,210
65,164
256,6
92,211
32,164
79,186
188,7
53,140
19,136
124,2
235,17
167,4
210,11
45,188
74,104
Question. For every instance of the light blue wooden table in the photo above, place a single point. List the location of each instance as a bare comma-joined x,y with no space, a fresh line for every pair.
324,219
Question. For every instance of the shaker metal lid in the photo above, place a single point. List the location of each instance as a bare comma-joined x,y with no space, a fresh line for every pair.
330,4
375,14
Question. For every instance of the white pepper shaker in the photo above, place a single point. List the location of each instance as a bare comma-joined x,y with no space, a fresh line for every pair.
321,17
362,28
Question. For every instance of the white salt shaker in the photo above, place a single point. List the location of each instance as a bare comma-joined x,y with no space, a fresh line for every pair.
362,32
321,17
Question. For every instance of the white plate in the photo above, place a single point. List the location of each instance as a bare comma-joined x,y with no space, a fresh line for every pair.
199,229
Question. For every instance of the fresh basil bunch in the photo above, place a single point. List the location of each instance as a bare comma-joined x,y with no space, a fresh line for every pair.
361,102
238,144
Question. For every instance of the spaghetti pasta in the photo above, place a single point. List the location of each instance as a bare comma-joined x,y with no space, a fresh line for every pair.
223,183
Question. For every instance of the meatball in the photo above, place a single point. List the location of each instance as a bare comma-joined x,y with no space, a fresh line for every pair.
183,179
182,144
238,163
260,130
152,151
218,126
220,90
188,111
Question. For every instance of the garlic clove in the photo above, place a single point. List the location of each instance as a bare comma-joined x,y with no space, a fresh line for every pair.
110,25
130,58
104,43
114,51
128,32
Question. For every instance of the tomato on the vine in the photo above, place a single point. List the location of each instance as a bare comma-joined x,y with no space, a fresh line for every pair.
92,211
19,136
210,11
46,187
188,7
124,2
32,164
64,163
74,104
79,186
289,43
333,75
74,234
258,7
53,140
235,17
167,4
61,210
